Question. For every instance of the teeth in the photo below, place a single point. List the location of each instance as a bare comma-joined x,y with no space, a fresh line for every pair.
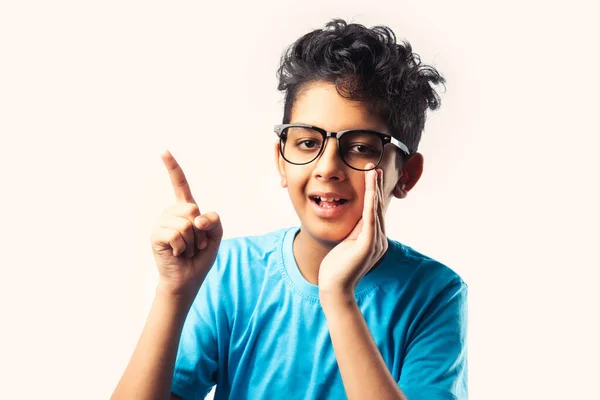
329,199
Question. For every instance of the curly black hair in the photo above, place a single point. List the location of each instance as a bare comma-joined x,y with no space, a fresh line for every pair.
365,65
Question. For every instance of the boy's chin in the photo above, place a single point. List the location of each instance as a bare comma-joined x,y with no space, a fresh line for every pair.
329,234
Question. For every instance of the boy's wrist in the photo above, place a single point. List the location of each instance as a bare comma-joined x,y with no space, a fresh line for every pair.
335,298
179,296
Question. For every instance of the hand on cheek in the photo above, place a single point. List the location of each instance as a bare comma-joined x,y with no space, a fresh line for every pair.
351,259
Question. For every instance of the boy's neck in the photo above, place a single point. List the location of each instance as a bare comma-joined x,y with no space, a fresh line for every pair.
309,253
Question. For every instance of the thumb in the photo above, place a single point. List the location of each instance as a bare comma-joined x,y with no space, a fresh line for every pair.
211,224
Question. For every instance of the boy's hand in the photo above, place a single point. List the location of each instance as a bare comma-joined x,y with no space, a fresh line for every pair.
351,259
184,242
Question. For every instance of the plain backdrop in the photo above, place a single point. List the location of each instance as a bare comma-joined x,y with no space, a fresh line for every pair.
92,92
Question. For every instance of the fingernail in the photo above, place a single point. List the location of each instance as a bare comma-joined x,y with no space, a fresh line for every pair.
201,223
203,244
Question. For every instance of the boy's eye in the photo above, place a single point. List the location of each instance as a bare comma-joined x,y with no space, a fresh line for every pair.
307,144
360,149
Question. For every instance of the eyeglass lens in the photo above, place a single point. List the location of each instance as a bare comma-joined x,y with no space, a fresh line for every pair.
301,145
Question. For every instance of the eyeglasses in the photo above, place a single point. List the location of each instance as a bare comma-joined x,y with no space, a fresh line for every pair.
302,144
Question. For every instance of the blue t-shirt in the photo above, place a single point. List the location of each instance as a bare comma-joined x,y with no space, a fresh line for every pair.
257,330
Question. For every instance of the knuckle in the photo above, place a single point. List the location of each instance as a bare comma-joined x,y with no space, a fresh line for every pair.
186,226
183,210
192,209
180,181
174,237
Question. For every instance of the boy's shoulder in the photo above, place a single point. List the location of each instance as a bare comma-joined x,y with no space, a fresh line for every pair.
420,266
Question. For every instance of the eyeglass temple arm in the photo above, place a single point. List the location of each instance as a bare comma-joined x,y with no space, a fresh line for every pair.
400,145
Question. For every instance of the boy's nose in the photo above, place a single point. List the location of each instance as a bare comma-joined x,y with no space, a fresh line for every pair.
329,165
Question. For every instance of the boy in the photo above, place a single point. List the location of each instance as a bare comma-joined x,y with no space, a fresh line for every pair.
333,308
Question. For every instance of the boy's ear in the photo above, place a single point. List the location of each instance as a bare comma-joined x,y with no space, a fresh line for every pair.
411,172
280,162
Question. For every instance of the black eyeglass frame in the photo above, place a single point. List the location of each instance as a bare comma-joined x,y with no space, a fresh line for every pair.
385,139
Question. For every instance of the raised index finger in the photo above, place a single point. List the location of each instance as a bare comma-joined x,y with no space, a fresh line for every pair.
182,190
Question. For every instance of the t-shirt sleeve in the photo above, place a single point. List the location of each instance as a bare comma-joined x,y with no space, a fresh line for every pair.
435,362
196,365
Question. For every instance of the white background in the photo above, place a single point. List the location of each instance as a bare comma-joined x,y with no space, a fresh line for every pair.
92,92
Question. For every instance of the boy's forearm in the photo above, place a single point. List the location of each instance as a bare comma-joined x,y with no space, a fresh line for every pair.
364,373
149,374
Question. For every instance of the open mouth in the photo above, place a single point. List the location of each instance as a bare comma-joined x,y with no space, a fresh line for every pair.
325,202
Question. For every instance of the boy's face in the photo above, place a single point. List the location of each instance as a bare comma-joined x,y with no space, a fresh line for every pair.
320,105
